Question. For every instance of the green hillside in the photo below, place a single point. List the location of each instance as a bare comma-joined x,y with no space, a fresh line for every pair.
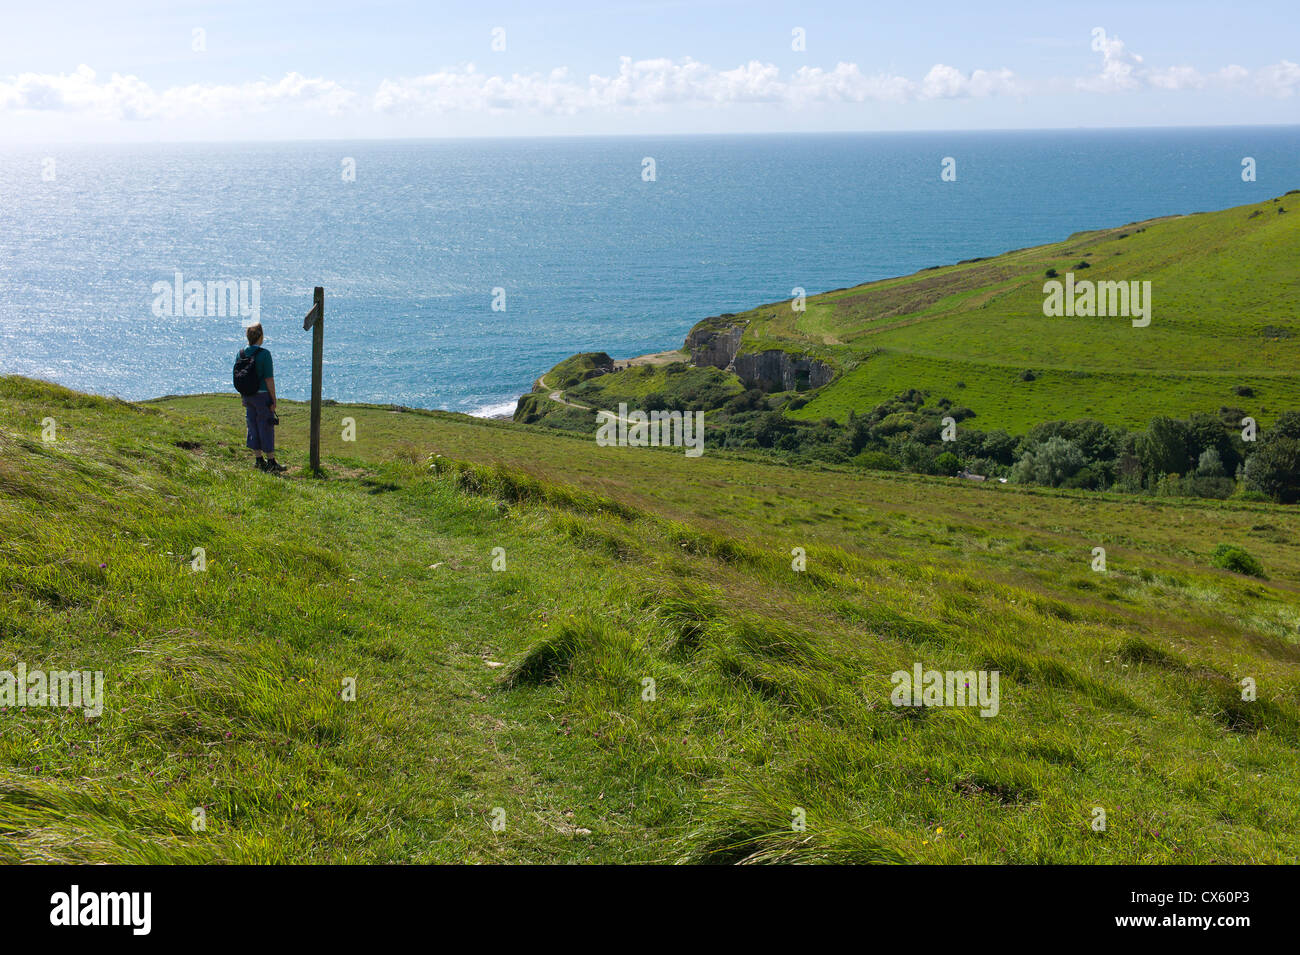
1225,313
520,695
1224,330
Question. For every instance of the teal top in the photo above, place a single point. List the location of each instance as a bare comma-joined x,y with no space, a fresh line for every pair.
261,364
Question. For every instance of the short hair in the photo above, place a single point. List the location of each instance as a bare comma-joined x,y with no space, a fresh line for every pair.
254,333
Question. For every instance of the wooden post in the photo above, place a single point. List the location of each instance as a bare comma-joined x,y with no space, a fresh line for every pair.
315,320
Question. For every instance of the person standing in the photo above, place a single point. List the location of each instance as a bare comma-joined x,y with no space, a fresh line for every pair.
255,380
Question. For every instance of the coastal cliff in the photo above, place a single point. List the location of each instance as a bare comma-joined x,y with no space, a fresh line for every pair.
715,345
717,341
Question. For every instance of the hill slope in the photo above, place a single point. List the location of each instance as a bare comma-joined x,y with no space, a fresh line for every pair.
1224,320
771,685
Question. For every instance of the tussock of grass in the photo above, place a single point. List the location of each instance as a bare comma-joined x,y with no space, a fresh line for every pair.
686,611
1139,650
555,653
516,487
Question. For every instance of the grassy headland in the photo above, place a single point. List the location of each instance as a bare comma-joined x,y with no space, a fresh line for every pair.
869,375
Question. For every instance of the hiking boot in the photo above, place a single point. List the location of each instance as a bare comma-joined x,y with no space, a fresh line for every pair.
259,463
274,467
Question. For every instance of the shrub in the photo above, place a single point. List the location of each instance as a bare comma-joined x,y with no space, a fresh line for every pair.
1191,485
1163,447
1083,479
999,446
897,423
769,427
745,401
788,442
1209,464
947,463
1206,432
1027,375
1237,559
875,461
915,456
1050,463
1274,468
1220,488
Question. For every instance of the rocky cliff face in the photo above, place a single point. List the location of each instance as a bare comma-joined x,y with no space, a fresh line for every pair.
714,346
773,370
780,371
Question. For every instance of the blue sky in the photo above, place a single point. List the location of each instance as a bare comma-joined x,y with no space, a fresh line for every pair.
139,71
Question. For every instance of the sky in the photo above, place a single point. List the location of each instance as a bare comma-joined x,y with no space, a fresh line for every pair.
150,71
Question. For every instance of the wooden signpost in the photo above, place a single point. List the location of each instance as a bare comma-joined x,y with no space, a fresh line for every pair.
315,321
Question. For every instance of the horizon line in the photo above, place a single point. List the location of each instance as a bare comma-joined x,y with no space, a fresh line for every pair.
661,135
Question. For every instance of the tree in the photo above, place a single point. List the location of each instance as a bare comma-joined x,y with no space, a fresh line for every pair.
1164,448
947,463
1287,425
1209,464
857,433
770,426
1050,463
999,446
1206,432
1274,468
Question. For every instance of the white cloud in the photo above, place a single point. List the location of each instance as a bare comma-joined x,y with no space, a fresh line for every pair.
260,95
128,97
846,84
659,83
1122,71
1232,75
947,82
1281,79
1175,78
1120,68
468,89
637,85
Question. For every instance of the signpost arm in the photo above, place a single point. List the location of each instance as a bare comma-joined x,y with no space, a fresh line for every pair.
317,348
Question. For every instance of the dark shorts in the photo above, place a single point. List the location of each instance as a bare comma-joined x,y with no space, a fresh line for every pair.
257,415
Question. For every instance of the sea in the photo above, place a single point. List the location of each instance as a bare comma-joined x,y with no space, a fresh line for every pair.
457,271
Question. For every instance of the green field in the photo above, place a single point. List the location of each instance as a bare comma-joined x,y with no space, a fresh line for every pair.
1223,329
1223,315
1001,400
519,695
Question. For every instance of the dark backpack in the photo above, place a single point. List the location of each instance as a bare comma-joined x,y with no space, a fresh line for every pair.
246,380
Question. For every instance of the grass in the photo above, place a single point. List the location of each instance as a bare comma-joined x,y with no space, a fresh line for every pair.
1001,399
669,384
679,384
1223,317
526,689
